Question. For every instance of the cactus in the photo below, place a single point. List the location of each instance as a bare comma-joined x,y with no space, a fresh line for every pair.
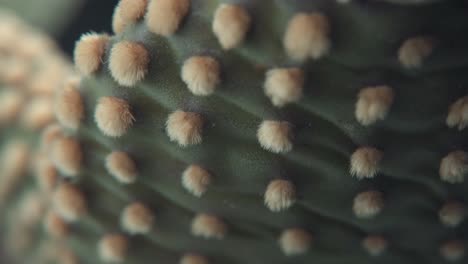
265,131
38,13
31,68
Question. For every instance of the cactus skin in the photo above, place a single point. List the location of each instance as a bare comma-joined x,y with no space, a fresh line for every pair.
349,180
37,13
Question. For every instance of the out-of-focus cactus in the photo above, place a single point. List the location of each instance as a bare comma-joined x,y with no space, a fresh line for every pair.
266,131
31,69
51,16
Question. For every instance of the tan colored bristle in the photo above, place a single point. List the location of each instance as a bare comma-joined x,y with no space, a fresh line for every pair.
38,113
46,174
275,136
307,36
128,12
11,103
165,16
280,195
452,214
458,114
113,248
132,10
192,258
49,135
136,218
66,155
374,245
209,227
185,128
230,25
201,74
89,52
121,166
453,250
414,51
365,162
373,104
113,116
118,23
453,167
368,204
69,202
284,85
295,241
55,226
69,107
129,62
196,180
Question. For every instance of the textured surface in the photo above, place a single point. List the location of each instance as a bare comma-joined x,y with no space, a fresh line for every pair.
31,68
400,195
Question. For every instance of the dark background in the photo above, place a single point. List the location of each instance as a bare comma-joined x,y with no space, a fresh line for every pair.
95,15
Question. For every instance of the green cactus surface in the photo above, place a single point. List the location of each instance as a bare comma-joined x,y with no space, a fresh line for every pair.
50,16
265,131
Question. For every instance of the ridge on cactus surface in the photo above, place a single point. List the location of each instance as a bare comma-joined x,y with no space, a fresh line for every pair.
241,132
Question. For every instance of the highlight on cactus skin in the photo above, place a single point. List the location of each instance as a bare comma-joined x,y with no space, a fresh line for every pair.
239,132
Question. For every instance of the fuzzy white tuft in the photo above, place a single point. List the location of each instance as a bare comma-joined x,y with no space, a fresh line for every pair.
112,248
365,162
414,51
368,204
165,16
458,114
373,104
208,226
69,202
136,218
307,36
66,155
280,195
201,74
128,62
89,51
284,85
121,166
230,25
454,167
113,116
196,180
185,128
295,241
374,245
275,136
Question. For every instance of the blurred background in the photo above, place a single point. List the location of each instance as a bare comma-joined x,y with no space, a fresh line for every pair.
64,20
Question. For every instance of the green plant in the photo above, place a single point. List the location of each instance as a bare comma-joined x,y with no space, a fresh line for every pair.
38,13
267,132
